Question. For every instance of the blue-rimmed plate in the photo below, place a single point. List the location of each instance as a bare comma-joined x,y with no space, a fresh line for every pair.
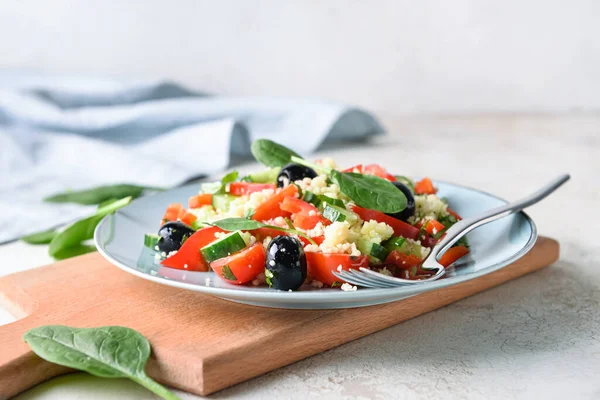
120,238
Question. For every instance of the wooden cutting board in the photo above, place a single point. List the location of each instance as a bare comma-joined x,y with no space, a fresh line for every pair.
200,343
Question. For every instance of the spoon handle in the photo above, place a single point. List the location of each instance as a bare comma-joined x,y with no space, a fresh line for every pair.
466,225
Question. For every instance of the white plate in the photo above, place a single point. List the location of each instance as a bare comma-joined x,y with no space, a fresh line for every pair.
120,237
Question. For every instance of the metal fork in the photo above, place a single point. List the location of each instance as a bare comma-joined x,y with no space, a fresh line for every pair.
368,278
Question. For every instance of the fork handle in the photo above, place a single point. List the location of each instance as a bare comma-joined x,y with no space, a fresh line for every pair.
465,226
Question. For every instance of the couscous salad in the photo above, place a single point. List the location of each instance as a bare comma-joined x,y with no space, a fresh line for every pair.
296,222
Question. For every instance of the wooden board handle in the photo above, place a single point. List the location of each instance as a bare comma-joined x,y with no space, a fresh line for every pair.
19,366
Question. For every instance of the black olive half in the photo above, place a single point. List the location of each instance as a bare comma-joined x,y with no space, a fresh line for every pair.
409,211
172,235
287,263
294,172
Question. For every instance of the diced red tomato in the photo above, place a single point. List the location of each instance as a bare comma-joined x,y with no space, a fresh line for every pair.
433,227
188,257
321,266
428,241
241,188
356,168
186,217
296,206
425,186
378,170
453,213
271,208
453,254
304,215
406,266
401,260
204,199
172,212
400,228
372,169
241,267
176,212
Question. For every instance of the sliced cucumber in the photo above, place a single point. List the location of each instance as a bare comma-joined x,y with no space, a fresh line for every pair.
311,198
394,243
331,201
226,246
266,176
338,214
407,181
151,240
210,187
318,200
403,245
221,201
372,249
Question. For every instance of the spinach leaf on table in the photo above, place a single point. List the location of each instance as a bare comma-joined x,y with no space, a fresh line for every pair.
44,237
83,229
74,251
100,194
107,352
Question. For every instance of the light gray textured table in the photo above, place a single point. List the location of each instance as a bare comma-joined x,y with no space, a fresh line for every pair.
536,337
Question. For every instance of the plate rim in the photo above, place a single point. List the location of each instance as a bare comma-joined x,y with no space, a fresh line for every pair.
310,297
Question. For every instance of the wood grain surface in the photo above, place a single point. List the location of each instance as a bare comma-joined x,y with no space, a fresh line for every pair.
200,344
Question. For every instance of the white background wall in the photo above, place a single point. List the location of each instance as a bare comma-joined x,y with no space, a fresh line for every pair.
389,56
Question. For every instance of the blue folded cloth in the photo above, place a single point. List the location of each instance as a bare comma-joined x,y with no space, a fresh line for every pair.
59,133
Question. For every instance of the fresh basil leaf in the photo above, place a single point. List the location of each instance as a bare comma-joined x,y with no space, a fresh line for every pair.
271,154
289,223
370,191
107,352
230,177
228,273
243,224
100,194
74,251
238,224
44,237
83,229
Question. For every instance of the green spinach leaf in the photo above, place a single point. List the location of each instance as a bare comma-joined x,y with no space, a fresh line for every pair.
100,194
83,229
271,154
44,237
370,191
107,352
74,251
